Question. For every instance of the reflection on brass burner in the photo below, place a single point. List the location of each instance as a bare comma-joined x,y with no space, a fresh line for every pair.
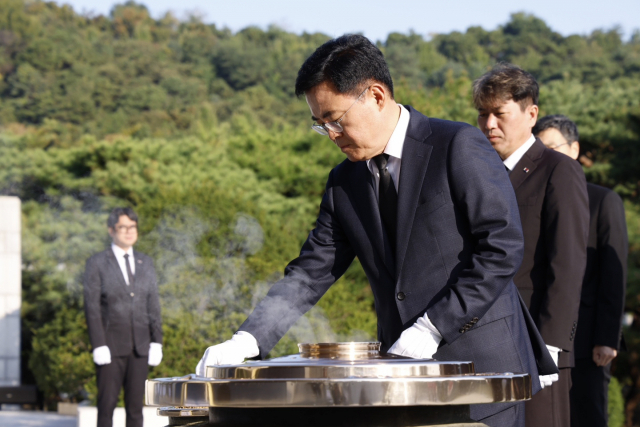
340,350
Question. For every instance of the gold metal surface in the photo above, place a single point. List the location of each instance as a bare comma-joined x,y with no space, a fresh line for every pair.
297,366
468,389
183,411
338,375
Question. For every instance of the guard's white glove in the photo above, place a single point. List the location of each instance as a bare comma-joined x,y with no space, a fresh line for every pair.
419,341
241,346
547,380
101,355
155,354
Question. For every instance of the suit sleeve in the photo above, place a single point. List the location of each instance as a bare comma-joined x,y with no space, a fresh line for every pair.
92,282
613,247
153,308
565,227
323,259
481,190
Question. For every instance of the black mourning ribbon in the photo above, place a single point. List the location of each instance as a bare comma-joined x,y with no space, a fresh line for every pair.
129,273
387,198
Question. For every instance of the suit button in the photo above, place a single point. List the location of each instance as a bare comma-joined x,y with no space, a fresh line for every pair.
475,320
131,294
400,296
462,330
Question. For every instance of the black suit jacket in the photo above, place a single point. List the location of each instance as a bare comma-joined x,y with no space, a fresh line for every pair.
459,243
552,198
120,316
603,288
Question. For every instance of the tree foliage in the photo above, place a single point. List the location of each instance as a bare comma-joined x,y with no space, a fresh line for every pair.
198,128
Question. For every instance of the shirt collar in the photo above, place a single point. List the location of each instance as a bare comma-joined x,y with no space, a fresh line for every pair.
396,142
119,252
511,161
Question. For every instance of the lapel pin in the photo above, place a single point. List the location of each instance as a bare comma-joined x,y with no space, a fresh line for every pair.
526,170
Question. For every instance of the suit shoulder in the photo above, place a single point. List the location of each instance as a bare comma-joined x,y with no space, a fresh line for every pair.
598,193
342,170
99,257
441,127
560,162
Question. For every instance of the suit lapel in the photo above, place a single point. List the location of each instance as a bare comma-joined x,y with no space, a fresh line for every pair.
527,164
415,158
362,186
115,267
141,268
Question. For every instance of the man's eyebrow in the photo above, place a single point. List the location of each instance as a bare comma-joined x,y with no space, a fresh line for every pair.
324,116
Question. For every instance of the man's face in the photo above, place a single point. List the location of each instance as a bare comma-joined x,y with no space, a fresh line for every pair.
506,126
361,136
125,233
554,139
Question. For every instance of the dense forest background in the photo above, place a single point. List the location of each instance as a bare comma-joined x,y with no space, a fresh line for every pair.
198,129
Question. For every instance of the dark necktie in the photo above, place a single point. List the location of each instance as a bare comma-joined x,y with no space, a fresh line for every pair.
387,198
129,273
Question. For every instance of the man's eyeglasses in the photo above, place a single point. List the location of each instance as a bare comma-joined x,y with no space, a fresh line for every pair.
125,229
335,126
560,145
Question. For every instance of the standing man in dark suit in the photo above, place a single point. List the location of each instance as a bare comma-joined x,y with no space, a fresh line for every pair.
552,199
602,303
427,207
123,317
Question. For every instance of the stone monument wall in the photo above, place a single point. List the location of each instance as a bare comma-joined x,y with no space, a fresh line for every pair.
10,290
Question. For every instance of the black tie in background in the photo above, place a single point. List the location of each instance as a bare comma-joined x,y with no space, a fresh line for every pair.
129,273
387,198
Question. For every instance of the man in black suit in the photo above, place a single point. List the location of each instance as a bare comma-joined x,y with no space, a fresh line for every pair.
552,198
123,317
427,207
602,302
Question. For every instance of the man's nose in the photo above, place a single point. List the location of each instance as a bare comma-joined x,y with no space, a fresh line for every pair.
333,135
491,121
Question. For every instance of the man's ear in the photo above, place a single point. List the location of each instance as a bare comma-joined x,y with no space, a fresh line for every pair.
575,150
380,93
533,113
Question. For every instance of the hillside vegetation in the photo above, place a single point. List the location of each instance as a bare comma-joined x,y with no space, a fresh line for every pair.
198,129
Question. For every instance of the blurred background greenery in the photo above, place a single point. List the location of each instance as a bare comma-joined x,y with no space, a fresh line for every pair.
198,129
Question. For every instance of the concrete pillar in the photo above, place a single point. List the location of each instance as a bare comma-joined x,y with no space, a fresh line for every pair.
10,290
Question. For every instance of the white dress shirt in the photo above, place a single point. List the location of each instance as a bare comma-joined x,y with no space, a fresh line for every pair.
421,339
119,253
511,161
394,150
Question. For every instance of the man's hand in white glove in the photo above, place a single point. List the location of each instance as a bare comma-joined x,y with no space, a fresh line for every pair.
241,346
155,354
547,380
101,355
419,341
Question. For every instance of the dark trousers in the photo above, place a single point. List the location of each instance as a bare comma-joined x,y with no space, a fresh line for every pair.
131,372
550,406
512,417
590,394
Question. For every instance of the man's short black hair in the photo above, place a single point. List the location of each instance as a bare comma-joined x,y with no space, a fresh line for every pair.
348,62
503,83
561,123
116,213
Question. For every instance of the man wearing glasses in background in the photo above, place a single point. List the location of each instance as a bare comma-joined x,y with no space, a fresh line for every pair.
123,317
599,332
428,209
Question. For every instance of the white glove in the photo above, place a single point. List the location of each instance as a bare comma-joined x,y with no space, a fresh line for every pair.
241,346
419,341
101,355
547,380
155,354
